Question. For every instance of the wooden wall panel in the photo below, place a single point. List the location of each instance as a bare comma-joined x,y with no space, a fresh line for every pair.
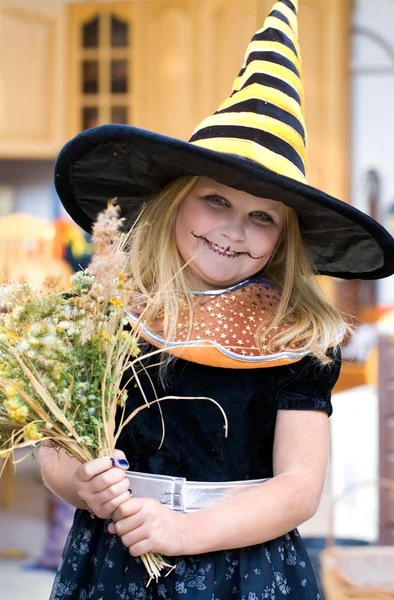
32,79
171,78
325,39
34,59
233,25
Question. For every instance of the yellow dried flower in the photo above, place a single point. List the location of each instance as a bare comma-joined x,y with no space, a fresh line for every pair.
56,371
17,412
132,341
115,302
10,391
31,432
122,398
12,337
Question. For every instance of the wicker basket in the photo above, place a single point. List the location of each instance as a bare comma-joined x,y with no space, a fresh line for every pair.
362,573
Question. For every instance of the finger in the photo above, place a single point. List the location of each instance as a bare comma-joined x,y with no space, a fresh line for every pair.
109,489
121,460
126,526
134,537
111,506
128,509
140,548
94,467
111,528
106,480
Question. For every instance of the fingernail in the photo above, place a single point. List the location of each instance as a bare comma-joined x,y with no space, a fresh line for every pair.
130,492
113,462
123,462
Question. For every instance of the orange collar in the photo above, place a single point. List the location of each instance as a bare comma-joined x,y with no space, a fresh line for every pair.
224,328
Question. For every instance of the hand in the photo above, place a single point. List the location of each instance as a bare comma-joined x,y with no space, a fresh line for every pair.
102,484
145,525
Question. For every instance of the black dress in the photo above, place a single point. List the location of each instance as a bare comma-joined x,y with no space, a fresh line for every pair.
96,566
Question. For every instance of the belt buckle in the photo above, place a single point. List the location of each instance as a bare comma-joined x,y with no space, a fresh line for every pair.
167,490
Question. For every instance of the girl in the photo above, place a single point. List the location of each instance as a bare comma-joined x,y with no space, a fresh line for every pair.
229,241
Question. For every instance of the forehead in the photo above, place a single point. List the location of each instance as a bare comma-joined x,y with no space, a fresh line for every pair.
205,185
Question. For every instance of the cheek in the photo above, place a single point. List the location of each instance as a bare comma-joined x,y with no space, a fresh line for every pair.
263,241
193,217
179,237
184,240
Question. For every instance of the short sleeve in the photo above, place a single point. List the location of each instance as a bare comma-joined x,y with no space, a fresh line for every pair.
307,384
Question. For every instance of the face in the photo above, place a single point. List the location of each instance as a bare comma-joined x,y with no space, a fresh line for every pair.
227,235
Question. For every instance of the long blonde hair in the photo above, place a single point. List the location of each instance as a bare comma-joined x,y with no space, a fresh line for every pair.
159,273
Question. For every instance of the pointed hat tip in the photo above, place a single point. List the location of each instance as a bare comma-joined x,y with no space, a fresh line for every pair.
293,2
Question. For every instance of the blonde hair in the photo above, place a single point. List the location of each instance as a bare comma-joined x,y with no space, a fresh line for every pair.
314,324
157,268
159,273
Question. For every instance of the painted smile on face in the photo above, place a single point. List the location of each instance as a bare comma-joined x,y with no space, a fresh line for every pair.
225,235
224,251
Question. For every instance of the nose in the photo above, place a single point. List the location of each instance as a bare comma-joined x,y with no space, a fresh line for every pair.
233,230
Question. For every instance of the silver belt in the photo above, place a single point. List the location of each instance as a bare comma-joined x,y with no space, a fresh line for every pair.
182,495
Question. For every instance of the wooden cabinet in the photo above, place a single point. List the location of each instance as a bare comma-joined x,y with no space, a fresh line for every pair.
33,78
195,48
159,64
226,28
106,64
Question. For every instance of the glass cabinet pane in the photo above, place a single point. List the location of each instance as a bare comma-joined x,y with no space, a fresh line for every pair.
102,73
90,117
91,34
119,114
90,77
119,76
119,33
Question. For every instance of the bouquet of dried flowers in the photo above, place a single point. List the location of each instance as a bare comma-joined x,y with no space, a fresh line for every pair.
63,358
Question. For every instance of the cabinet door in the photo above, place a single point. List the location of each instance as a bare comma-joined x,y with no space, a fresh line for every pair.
105,64
171,78
225,28
33,79
195,49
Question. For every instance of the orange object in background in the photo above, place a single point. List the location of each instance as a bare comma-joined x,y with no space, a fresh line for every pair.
31,249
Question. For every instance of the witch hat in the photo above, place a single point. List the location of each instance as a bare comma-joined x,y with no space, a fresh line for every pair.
255,142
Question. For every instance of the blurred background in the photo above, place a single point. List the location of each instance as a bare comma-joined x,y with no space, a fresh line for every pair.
164,65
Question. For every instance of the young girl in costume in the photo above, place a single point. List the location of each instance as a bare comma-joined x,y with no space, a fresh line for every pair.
228,242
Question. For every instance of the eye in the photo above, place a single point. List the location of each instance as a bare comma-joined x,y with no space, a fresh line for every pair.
217,200
261,216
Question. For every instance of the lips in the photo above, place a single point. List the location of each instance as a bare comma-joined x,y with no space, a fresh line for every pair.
220,250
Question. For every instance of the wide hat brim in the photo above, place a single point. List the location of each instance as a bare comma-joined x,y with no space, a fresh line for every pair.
132,165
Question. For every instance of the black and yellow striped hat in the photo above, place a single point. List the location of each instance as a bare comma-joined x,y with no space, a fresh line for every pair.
263,119
255,142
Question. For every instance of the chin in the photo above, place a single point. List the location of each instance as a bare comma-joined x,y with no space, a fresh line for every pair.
221,282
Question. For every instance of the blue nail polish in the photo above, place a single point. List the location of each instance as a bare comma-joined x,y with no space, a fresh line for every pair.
130,492
113,462
123,462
